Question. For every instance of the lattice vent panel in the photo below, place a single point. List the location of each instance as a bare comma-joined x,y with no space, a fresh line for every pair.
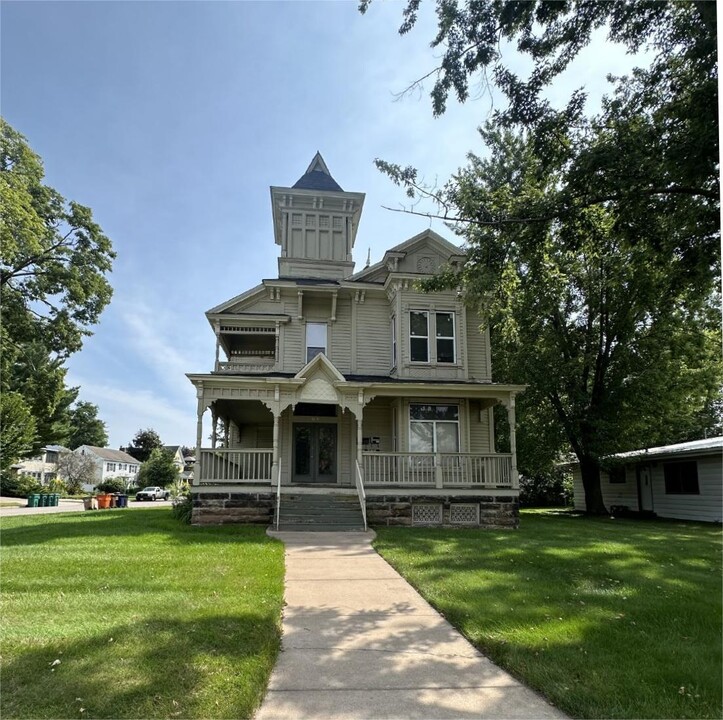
426,514
464,514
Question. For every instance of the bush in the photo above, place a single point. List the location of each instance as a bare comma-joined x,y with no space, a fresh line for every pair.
56,485
111,485
14,485
182,507
553,489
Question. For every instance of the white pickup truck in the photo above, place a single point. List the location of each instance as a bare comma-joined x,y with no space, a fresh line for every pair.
152,493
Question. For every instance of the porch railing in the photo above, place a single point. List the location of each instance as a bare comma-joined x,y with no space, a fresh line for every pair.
438,470
245,366
359,479
223,465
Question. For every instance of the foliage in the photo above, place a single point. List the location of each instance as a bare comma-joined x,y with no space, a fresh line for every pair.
76,470
180,492
112,582
112,485
553,489
187,451
56,485
606,618
158,469
15,485
86,427
143,444
17,429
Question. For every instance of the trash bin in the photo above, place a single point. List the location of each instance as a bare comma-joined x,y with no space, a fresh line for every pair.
56,499
33,500
113,500
103,501
121,501
88,503
43,502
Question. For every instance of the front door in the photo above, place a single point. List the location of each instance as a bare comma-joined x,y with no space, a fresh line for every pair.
314,458
645,488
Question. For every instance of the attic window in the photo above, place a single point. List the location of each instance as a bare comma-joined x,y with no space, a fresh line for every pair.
315,340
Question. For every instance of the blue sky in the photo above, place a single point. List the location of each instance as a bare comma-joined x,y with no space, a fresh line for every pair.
172,119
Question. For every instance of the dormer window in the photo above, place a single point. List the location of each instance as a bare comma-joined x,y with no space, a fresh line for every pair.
315,340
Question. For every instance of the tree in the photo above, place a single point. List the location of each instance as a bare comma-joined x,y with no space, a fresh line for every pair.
87,428
158,469
76,470
617,334
54,260
17,429
143,444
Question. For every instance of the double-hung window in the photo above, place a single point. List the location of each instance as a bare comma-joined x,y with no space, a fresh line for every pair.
433,428
419,335
315,340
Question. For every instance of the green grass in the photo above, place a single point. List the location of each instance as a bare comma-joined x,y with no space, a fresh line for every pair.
131,614
607,618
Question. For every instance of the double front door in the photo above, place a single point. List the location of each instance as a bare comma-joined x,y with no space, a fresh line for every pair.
314,450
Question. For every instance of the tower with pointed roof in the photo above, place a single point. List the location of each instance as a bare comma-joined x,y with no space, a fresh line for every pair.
315,223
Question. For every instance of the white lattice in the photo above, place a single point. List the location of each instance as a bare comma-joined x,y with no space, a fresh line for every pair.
426,514
460,514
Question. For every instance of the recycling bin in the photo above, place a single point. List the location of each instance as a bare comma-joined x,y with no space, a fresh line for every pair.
33,500
121,501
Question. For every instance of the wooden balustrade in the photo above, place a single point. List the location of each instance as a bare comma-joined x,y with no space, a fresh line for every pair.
224,465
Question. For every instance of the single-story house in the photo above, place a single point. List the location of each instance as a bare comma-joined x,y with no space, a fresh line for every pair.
683,481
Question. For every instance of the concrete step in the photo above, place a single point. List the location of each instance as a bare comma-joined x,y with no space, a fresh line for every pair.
320,512
327,527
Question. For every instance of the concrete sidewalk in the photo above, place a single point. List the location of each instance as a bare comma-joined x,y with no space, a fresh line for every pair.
360,642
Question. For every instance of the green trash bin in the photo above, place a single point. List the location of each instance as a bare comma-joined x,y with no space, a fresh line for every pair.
43,500
47,500
56,499
33,499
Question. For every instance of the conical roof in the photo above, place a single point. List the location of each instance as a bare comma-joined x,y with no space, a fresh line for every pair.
317,177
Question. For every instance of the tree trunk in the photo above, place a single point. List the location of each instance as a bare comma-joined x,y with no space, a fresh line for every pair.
590,470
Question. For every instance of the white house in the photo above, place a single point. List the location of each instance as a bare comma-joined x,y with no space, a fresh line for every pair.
43,467
110,464
346,390
683,481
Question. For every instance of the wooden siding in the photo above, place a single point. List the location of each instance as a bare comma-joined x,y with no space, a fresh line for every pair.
373,336
479,429
707,506
340,337
477,349
377,422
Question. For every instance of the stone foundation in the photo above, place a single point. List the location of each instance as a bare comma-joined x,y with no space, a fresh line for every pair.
456,511
228,507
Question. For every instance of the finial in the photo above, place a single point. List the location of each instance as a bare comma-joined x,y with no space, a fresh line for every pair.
369,257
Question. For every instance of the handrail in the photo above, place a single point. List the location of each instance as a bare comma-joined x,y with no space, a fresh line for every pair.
278,496
359,478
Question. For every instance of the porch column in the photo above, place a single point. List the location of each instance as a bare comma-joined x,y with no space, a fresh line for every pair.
201,409
359,433
513,440
214,421
275,457
218,332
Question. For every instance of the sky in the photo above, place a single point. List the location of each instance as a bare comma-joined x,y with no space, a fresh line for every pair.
171,120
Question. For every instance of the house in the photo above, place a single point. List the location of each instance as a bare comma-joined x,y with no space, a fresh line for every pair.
43,467
178,460
353,386
683,481
110,464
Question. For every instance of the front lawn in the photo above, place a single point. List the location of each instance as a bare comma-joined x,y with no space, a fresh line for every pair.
607,618
131,614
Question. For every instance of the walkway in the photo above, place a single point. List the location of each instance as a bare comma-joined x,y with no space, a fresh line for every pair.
360,642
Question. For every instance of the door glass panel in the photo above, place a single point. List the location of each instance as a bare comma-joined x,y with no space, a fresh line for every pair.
327,449
302,451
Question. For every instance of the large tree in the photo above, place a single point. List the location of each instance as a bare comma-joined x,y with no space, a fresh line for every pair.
76,470
86,427
143,444
159,469
54,259
567,207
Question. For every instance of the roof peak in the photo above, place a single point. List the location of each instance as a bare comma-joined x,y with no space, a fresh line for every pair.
317,164
317,177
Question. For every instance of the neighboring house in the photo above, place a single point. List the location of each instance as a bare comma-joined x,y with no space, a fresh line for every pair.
328,382
110,464
683,481
42,467
178,460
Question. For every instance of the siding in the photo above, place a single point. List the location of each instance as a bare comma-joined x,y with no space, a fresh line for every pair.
479,429
377,422
477,348
613,493
373,336
340,336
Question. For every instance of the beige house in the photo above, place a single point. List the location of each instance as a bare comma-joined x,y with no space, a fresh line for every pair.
358,389
42,467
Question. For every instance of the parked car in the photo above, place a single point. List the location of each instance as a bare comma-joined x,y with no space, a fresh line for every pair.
152,493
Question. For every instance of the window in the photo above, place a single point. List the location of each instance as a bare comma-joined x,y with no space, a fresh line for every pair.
51,456
315,340
419,336
445,337
110,467
132,469
433,428
617,474
681,478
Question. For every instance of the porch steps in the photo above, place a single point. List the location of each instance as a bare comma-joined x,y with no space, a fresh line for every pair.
320,513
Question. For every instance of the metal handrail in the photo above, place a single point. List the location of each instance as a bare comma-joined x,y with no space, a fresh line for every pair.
359,478
278,496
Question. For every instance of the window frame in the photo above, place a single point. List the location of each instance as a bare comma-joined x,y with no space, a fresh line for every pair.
419,337
438,337
394,341
678,484
435,422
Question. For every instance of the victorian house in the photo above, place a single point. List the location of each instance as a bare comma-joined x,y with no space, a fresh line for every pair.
338,398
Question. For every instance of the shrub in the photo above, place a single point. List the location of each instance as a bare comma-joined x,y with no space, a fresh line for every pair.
111,485
18,485
552,489
56,485
182,507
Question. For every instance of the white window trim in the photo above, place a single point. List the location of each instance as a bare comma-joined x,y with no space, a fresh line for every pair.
306,340
394,342
434,422
419,337
432,358
453,337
